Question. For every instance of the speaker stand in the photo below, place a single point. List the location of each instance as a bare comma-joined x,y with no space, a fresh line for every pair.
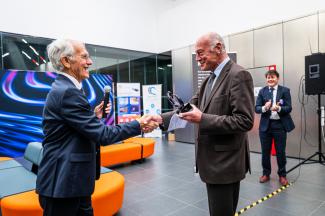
319,153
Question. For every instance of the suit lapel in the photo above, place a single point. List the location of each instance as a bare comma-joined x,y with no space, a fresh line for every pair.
219,80
278,94
267,94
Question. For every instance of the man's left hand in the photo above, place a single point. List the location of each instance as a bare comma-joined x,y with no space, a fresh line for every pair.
193,116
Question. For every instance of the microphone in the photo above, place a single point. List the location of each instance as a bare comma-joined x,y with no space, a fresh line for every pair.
107,90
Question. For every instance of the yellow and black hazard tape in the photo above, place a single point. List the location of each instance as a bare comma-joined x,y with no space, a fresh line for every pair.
263,199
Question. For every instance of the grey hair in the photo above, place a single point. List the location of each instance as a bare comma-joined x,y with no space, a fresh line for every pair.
58,49
215,38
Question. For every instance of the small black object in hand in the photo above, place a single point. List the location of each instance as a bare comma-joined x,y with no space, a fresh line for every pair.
178,103
186,108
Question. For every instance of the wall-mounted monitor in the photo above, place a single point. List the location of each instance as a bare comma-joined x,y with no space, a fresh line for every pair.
22,98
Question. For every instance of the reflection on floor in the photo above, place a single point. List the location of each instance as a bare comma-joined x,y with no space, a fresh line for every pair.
165,185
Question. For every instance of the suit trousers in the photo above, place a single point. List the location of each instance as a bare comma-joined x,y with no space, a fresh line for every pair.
275,131
76,206
223,198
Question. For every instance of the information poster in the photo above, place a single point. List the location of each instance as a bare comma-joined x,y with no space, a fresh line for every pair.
128,102
152,104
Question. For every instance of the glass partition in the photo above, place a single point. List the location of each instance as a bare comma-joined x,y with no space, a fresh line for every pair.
137,72
123,74
164,71
24,53
150,68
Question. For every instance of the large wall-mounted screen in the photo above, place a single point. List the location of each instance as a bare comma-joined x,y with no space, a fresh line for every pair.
22,97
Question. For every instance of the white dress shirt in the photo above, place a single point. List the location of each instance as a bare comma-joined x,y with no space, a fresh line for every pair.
274,114
218,70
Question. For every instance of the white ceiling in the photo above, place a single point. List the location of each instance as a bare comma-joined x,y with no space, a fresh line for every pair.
145,25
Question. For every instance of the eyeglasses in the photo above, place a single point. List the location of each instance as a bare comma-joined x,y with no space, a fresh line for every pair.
84,56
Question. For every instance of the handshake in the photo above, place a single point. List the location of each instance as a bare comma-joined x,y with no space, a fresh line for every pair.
149,122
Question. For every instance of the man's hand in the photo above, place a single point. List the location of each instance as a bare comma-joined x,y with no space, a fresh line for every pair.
267,105
99,109
149,122
276,107
193,116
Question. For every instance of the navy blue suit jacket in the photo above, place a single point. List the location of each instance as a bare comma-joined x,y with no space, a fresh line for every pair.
283,96
72,131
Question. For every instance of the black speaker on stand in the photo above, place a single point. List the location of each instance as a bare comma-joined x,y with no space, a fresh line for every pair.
315,85
315,74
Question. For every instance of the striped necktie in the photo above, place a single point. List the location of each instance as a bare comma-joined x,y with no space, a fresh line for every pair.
208,87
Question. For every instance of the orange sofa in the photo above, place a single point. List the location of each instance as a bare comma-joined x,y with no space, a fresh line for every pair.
133,149
5,158
17,187
107,198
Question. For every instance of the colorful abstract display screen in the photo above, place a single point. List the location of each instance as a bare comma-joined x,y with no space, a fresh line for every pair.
22,98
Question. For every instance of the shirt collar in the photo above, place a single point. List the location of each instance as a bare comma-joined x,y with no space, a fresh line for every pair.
274,87
218,70
72,79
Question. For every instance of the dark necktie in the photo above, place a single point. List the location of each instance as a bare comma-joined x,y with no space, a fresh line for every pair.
271,95
208,87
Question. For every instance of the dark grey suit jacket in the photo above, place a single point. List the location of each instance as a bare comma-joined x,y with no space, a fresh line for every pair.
223,149
71,129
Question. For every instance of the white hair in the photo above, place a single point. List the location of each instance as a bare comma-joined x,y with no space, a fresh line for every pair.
58,49
215,38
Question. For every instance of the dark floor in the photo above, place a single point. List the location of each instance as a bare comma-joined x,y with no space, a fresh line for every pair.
166,185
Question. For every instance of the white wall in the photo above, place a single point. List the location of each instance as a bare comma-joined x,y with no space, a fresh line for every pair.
181,25
145,25
129,24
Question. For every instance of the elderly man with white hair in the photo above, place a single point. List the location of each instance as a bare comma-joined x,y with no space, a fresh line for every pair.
223,110
73,134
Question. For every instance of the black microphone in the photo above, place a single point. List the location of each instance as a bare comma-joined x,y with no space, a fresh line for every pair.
107,90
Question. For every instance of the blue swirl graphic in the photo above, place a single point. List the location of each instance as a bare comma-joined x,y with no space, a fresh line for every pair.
22,96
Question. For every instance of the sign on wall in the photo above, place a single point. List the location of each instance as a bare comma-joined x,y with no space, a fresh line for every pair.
128,102
152,104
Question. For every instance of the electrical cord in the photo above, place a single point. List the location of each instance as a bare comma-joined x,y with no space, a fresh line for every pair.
323,135
303,100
